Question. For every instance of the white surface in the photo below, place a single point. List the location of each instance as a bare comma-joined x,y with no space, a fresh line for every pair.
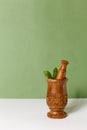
30,114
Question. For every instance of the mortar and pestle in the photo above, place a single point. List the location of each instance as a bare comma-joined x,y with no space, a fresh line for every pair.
56,97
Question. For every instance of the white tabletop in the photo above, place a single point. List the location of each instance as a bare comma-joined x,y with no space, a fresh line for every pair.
30,114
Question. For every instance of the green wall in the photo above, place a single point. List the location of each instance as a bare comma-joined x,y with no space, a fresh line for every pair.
35,35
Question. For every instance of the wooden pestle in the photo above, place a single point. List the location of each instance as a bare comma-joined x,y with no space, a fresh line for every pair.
62,70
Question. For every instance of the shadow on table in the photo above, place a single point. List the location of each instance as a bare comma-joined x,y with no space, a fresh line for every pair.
75,105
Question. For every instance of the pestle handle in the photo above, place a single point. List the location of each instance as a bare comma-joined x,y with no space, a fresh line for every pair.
62,70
